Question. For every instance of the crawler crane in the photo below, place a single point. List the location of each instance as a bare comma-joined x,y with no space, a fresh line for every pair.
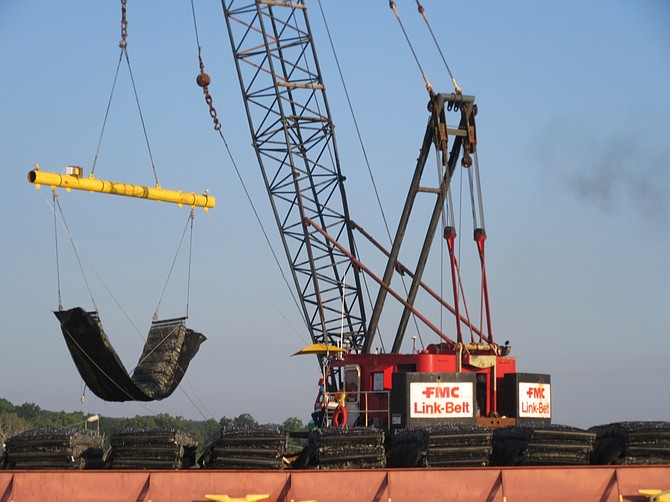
458,381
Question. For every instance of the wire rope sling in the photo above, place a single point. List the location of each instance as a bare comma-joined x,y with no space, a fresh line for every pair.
168,349
169,346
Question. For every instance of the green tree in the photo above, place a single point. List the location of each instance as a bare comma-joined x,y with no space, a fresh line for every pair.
245,421
28,411
226,423
165,421
293,424
141,422
10,425
6,406
205,432
16,419
57,419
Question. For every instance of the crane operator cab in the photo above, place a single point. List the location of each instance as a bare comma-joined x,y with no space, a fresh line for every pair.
338,403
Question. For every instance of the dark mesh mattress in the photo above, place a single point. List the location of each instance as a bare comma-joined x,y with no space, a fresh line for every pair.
169,349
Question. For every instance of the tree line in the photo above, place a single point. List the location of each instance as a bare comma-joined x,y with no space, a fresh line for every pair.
15,419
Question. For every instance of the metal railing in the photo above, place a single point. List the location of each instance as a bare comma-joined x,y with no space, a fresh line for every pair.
363,400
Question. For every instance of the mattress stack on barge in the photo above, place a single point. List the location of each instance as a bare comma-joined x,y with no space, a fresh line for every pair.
343,448
144,449
631,443
65,448
246,449
444,446
542,445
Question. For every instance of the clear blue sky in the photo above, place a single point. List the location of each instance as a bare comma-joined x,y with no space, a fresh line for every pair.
574,121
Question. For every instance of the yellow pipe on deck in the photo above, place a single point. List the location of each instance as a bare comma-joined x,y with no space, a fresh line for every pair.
69,181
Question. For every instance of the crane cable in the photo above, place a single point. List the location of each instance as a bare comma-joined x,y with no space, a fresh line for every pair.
75,247
123,45
478,222
189,224
368,165
355,121
203,80
480,238
448,217
422,11
78,252
458,91
56,205
60,300
429,86
250,270
360,139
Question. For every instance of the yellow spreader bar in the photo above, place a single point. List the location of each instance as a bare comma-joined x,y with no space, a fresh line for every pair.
72,181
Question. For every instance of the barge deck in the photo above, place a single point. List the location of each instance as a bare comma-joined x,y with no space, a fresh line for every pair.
506,484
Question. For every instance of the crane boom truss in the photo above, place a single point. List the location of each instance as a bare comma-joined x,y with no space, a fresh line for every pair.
293,137
436,136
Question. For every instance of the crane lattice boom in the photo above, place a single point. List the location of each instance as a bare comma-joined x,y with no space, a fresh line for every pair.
293,136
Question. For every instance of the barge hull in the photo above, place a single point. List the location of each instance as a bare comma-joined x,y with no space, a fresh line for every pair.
602,483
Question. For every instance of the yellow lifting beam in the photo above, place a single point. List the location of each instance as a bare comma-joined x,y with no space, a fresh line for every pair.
73,179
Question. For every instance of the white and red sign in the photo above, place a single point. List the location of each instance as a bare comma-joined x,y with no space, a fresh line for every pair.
441,399
534,400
